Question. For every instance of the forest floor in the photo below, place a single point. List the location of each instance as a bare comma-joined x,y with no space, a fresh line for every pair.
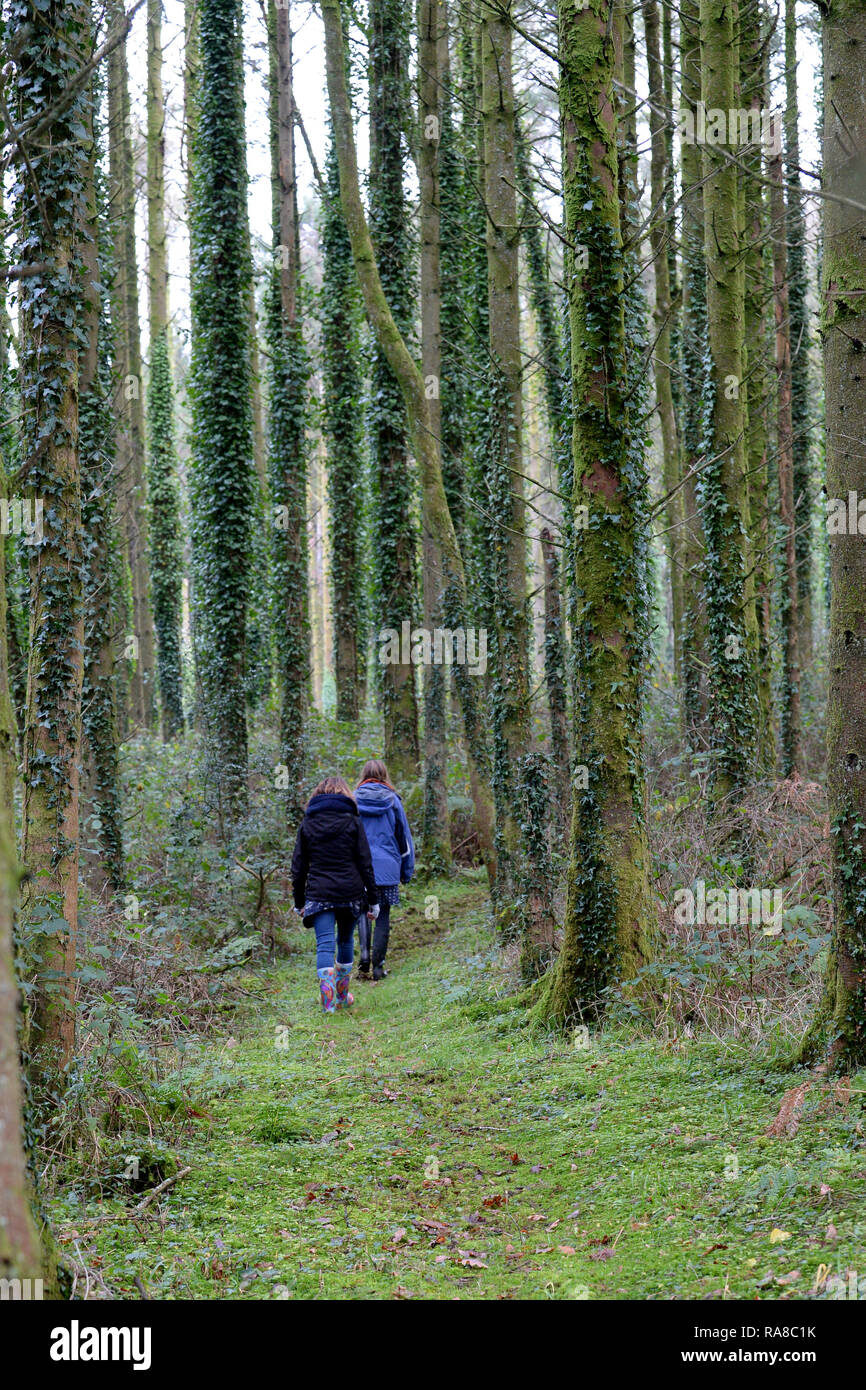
431,1144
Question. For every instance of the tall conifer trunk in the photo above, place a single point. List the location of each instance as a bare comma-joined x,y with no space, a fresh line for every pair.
432,35
607,910
839,1031
723,489
394,534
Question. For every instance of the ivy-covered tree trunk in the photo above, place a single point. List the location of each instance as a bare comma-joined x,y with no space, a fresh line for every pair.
50,45
722,489
838,1033
607,912
165,545
221,444
503,500
694,391
417,407
555,680
432,35
800,335
789,696
343,389
395,535
138,645
20,1255
286,439
96,460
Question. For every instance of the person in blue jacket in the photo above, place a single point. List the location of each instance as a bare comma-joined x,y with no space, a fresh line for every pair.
393,853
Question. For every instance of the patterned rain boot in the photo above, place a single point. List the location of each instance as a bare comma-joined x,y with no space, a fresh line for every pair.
345,1000
327,989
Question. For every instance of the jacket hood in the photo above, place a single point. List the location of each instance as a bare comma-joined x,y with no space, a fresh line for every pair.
332,801
374,798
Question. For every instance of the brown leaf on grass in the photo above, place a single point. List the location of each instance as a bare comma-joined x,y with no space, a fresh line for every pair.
789,1278
566,1249
787,1122
469,1259
605,1254
497,1199
430,1225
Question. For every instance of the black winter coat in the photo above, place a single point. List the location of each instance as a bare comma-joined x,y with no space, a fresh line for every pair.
331,862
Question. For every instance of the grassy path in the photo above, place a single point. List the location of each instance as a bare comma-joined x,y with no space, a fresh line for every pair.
428,1145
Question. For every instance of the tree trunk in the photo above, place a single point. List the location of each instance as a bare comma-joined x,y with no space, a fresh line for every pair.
800,336
607,911
52,44
102,791
504,500
723,491
435,834
555,679
789,613
839,1031
221,443
343,392
165,548
758,389
288,461
694,339
395,539
659,237
411,382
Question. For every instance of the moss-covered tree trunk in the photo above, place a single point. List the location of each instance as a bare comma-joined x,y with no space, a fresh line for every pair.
723,487
789,696
20,1256
395,532
221,444
555,680
432,36
607,932
694,390
50,44
425,443
800,335
758,389
839,1031
503,498
165,545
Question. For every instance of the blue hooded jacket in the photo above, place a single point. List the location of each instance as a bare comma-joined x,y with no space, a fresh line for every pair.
388,833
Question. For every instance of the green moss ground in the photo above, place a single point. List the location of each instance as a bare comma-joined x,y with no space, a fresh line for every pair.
429,1145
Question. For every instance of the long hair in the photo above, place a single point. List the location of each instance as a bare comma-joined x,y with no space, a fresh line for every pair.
374,770
333,786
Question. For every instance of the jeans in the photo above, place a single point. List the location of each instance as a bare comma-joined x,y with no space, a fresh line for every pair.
381,930
324,924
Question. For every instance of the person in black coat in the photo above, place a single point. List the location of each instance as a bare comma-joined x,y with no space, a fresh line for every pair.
333,884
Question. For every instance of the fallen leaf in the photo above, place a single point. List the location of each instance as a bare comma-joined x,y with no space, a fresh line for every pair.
566,1249
777,1236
